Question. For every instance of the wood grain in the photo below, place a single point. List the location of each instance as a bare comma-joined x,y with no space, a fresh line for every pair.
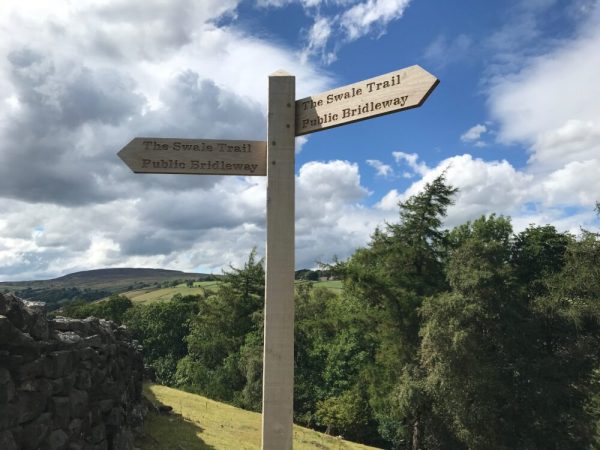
278,361
196,156
395,91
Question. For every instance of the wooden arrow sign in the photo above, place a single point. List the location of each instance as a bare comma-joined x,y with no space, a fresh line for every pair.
196,156
385,94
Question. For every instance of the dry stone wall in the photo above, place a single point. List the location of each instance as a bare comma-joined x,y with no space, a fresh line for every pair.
66,383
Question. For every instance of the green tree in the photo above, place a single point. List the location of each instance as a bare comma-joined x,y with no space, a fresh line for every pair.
509,354
113,308
224,336
161,329
401,266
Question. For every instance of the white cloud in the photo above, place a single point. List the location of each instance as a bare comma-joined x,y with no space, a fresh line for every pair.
551,102
473,135
68,203
550,106
389,202
149,68
484,187
412,160
330,216
339,22
383,170
360,19
318,37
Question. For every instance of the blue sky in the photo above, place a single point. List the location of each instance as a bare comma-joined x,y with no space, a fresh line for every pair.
515,122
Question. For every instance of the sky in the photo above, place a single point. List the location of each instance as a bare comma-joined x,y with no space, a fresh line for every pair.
514,123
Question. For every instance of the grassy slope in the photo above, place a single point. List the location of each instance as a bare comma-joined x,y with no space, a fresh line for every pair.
203,424
150,295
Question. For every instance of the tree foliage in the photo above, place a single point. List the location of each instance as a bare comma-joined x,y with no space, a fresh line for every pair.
470,338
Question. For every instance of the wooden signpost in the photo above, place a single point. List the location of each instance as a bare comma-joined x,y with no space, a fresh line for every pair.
195,156
287,118
395,91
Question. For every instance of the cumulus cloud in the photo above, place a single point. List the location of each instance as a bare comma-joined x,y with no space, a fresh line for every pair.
412,160
79,80
339,22
473,135
547,105
67,203
550,107
330,216
381,169
363,17
484,187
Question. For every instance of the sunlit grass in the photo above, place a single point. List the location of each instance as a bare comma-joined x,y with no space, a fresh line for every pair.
154,294
199,423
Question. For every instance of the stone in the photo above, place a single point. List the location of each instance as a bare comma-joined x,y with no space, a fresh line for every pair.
123,440
75,428
66,324
115,418
7,387
61,411
58,386
35,319
17,433
66,383
79,402
87,353
36,431
7,441
93,341
84,380
30,405
28,371
12,308
10,334
32,397
106,405
98,434
57,440
58,364
9,416
68,338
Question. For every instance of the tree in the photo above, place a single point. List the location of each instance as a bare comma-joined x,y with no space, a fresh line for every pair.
161,329
510,353
113,308
402,265
224,336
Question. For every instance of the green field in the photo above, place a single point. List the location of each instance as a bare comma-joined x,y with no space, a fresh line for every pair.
150,295
202,424
334,285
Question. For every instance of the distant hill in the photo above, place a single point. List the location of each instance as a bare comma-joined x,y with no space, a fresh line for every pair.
92,285
114,280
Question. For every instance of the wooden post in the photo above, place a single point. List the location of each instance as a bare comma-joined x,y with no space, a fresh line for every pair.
278,362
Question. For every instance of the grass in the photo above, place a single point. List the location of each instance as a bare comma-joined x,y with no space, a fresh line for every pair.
153,294
202,424
334,285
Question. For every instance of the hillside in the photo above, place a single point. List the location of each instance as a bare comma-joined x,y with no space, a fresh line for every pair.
201,424
92,285
115,280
